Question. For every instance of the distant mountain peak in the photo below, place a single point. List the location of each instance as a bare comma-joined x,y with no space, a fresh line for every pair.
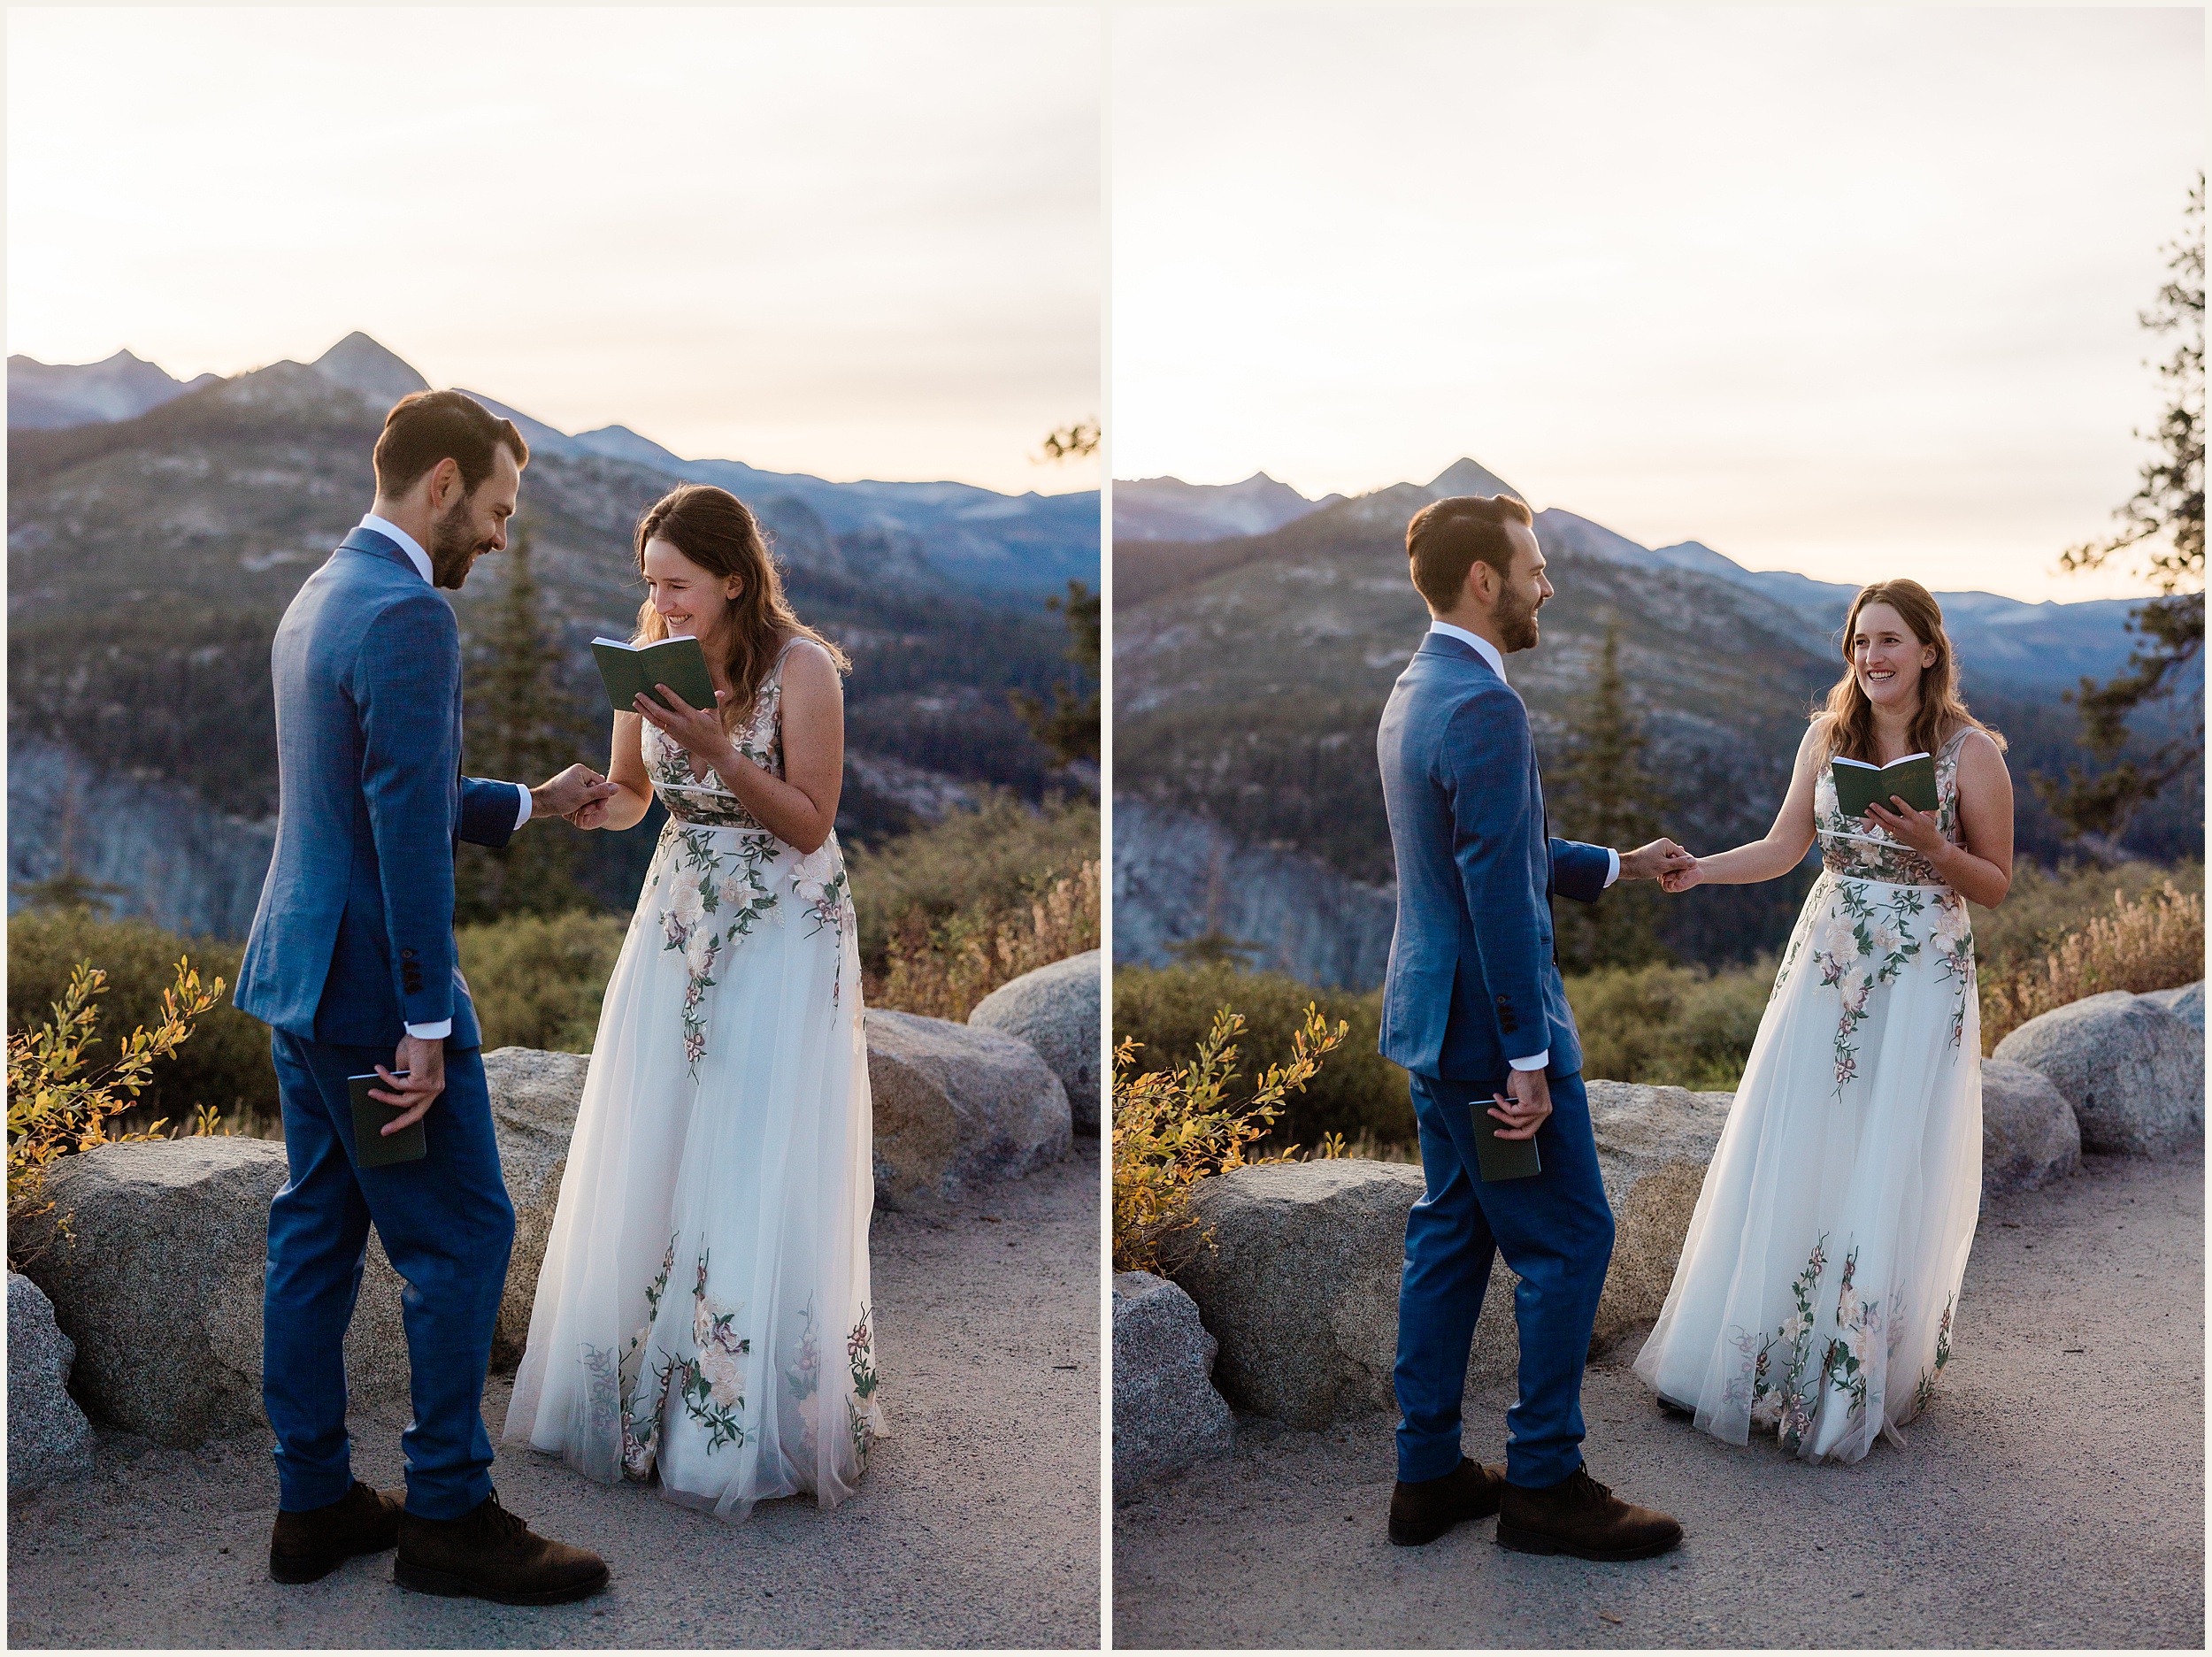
1466,476
619,443
363,366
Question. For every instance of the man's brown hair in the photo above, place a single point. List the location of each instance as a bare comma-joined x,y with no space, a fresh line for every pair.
426,427
1447,536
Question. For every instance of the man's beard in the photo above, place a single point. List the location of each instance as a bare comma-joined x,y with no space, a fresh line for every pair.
453,546
1515,620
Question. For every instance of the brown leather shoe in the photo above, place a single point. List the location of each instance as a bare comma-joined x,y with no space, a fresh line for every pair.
1422,1511
308,1546
1580,1516
490,1553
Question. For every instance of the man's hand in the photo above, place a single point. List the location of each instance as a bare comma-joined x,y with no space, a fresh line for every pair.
1648,862
569,793
1531,1102
424,1063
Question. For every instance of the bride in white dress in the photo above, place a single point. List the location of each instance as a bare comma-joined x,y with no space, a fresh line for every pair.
703,1314
1817,1292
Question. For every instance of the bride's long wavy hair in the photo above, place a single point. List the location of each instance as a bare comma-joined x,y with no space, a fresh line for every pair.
719,533
1846,721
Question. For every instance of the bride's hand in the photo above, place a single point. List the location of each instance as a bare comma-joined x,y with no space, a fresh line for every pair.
697,731
1682,879
1913,828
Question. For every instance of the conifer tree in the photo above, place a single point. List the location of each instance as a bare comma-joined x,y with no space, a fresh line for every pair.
1069,724
1608,798
2165,518
523,726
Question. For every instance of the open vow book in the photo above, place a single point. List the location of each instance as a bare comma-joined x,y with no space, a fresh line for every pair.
1859,784
629,669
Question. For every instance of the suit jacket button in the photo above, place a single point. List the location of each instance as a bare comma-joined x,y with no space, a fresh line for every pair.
406,954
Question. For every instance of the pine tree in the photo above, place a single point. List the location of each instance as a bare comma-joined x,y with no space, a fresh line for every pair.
523,726
2165,515
1069,724
1607,798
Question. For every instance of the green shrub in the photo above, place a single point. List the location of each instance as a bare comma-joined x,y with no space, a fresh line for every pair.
224,1066
1680,1026
1359,1093
537,980
989,864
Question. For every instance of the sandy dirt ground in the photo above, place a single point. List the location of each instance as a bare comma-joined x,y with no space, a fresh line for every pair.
978,1524
2052,1496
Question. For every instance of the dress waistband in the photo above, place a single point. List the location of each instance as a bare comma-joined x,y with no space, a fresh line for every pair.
1901,886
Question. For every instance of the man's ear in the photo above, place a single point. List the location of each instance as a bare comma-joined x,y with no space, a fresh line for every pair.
445,483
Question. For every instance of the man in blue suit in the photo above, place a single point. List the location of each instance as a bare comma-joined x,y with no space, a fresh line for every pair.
352,963
1473,1007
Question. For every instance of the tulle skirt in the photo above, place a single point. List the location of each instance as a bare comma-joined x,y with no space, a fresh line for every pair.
703,1314
1819,1280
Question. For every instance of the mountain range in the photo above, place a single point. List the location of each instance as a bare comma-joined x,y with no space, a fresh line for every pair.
1249,671
151,554
2002,640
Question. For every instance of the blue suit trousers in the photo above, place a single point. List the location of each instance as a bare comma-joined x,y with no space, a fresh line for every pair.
1556,1230
447,1226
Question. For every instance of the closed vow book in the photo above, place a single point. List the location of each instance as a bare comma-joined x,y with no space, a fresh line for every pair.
629,670
1500,1159
1859,784
373,1148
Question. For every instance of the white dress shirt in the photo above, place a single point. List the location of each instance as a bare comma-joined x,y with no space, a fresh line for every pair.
420,559
1490,654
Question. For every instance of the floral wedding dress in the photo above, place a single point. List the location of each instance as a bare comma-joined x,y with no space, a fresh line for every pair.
1820,1276
703,1312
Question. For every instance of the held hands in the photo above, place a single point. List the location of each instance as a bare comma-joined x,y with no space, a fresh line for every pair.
1682,879
1914,828
1655,860
424,1064
697,731
570,794
1524,1111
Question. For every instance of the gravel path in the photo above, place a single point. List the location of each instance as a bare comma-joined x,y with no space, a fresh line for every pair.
2053,1495
978,1524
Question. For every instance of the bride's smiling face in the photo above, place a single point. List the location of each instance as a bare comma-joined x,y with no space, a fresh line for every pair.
1887,659
691,600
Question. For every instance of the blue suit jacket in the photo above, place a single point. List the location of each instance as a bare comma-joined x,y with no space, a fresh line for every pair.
1472,982
353,941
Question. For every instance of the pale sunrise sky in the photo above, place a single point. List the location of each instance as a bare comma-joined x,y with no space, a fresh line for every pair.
850,243
1851,292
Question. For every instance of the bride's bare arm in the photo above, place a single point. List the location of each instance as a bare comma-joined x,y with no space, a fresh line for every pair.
626,770
1783,846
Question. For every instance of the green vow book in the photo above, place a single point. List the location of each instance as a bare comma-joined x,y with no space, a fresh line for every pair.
1859,784
630,670
1501,1159
373,1148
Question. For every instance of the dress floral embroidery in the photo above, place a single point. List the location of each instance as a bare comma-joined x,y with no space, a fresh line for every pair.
1817,1286
723,1146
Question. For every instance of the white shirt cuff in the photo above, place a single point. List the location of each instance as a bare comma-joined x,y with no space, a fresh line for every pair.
437,1032
1534,1061
1612,864
522,816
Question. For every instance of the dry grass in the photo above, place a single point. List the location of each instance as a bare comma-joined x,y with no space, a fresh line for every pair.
2152,941
943,971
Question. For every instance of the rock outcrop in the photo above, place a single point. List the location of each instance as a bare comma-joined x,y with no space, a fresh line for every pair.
2185,1003
955,1104
2029,1135
158,1286
1056,1011
1166,1412
1298,1281
534,1096
49,1437
2133,1071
